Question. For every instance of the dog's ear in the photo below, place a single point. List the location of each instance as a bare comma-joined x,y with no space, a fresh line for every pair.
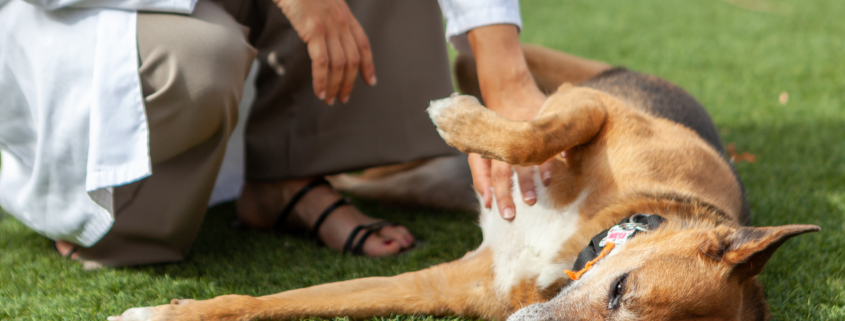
749,248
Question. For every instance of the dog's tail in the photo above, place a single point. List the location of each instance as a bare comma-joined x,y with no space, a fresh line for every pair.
442,183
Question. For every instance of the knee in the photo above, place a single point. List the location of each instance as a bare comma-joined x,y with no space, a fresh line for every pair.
219,59
193,71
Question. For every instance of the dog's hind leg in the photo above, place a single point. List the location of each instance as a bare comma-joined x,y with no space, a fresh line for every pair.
570,117
552,68
463,287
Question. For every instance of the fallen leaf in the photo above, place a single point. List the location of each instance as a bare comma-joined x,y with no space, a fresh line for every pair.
744,156
783,98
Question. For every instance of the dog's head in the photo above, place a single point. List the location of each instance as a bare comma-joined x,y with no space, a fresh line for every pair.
673,273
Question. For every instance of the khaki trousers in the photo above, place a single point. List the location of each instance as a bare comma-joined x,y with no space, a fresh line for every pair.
193,69
192,72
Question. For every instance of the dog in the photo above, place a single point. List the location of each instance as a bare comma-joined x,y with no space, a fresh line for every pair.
644,218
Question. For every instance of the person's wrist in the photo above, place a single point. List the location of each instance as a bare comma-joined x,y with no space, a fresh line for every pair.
517,103
515,97
505,80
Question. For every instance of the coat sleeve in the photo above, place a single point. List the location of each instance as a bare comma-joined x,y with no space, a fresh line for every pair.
465,15
175,6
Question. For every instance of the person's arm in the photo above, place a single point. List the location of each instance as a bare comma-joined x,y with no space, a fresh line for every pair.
506,83
508,89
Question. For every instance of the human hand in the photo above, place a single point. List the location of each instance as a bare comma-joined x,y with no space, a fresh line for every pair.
337,45
508,89
492,178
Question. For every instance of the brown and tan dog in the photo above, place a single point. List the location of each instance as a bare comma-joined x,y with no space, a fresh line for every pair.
634,144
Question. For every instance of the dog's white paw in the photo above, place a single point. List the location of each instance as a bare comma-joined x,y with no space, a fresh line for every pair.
157,313
134,314
436,108
445,113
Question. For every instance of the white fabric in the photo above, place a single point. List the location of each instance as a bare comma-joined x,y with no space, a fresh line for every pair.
230,179
465,15
72,120
177,6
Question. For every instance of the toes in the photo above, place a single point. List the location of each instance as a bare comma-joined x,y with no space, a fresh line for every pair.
388,241
376,246
397,233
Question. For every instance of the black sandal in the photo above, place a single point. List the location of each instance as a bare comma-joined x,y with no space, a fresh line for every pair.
280,221
368,229
348,247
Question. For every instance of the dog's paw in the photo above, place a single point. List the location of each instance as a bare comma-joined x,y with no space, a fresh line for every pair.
158,313
449,114
435,107
134,314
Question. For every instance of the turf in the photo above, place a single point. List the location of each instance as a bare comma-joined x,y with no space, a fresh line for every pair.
735,56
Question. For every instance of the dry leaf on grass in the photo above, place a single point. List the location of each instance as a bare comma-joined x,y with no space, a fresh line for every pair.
744,156
783,98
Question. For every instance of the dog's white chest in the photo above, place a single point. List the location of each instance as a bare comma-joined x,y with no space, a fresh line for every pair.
528,246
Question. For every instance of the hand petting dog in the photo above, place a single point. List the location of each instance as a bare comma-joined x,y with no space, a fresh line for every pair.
508,89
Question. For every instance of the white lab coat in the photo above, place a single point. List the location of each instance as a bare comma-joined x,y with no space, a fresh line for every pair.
72,119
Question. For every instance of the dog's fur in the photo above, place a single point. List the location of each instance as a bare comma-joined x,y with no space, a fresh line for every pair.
634,144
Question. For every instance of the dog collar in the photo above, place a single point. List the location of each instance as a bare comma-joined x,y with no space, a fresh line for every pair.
618,234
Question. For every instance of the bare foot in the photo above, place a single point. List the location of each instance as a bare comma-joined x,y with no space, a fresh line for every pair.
66,248
260,204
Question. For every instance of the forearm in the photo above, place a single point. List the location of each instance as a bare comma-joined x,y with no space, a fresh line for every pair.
506,83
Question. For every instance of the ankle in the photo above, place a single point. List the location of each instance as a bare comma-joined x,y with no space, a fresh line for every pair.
254,207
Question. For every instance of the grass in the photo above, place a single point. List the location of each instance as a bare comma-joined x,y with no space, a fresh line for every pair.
735,56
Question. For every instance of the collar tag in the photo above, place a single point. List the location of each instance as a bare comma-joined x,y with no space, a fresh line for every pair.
618,234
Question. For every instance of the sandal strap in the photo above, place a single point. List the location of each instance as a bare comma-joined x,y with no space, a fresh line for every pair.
369,230
359,246
70,254
280,221
329,210
347,246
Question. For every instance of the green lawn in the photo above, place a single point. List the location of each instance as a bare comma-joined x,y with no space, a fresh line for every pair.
735,56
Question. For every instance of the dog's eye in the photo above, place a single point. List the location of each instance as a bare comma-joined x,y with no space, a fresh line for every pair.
617,289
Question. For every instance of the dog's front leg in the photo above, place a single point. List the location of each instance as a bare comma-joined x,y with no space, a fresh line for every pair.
570,117
463,287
